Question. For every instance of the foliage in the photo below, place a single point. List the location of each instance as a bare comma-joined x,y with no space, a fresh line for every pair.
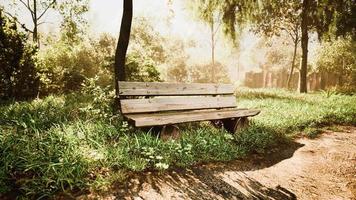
206,9
322,16
273,18
64,67
204,73
327,17
178,72
67,62
203,9
176,62
147,43
339,57
141,70
277,51
74,22
333,19
18,78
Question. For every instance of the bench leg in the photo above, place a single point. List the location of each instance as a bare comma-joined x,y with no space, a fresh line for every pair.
217,124
234,125
170,132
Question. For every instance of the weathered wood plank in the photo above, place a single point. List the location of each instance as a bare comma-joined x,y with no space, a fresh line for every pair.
145,120
176,103
173,89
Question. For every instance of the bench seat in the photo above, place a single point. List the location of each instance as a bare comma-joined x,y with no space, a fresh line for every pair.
162,105
168,118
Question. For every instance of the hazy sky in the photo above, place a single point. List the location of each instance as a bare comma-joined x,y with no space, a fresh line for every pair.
170,20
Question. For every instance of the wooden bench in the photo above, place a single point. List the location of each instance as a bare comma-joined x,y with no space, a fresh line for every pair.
161,104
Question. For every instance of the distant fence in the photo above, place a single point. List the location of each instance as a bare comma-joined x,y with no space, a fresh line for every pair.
272,79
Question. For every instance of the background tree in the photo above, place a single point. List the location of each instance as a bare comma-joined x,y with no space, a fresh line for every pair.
305,25
333,19
37,10
147,42
68,60
203,10
338,58
236,13
74,23
176,60
178,72
141,70
286,20
202,73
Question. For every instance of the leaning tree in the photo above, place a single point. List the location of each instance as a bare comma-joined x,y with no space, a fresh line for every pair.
122,44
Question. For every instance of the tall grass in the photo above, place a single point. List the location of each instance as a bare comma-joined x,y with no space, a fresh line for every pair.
289,113
71,142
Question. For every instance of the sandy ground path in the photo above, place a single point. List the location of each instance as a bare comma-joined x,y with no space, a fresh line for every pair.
322,168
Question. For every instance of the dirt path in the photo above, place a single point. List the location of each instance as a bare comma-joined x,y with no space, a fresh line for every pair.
323,168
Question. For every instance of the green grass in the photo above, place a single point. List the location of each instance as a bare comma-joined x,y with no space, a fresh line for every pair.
72,142
289,113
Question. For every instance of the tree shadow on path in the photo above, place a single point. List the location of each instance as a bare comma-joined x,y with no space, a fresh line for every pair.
210,181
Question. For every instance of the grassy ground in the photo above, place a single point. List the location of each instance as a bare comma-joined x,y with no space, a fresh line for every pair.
66,143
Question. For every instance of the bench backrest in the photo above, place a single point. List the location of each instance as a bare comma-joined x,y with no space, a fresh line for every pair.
174,96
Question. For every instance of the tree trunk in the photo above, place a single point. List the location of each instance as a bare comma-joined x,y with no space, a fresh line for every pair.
212,50
322,80
293,63
35,23
341,81
305,39
121,49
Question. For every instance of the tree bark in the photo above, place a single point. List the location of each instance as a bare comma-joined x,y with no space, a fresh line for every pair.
35,23
305,39
212,50
121,49
293,63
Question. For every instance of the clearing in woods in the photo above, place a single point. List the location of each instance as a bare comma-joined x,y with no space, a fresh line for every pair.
322,168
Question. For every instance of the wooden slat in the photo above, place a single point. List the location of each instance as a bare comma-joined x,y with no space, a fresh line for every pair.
147,120
173,89
176,103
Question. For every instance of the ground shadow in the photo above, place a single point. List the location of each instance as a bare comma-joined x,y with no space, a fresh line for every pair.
205,182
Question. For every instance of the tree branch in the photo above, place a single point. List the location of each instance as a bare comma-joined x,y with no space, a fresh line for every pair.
41,23
217,28
291,35
44,12
17,21
27,5
44,22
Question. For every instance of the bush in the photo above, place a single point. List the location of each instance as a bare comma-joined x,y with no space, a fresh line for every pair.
338,57
18,75
64,68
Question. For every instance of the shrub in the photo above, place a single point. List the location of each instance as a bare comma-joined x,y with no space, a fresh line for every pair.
18,75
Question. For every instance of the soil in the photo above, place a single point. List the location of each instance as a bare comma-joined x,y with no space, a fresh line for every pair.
322,168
